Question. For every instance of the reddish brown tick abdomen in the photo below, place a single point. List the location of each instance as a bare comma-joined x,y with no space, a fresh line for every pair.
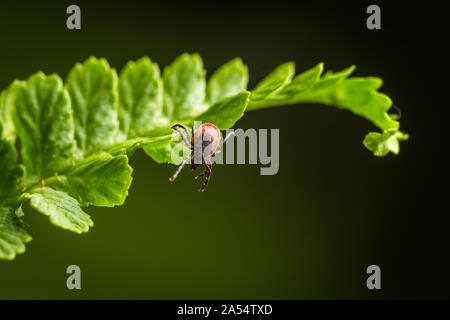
210,136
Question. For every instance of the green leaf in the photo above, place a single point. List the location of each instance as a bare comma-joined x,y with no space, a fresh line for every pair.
101,180
93,90
274,81
168,151
184,87
225,113
43,119
12,234
230,79
383,143
141,99
130,146
358,95
62,209
75,140
6,120
303,81
289,90
10,172
340,74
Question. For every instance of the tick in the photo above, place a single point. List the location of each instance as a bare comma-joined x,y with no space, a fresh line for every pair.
203,143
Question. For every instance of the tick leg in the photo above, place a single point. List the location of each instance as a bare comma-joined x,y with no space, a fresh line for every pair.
185,138
206,168
194,166
182,127
227,137
201,174
207,173
222,143
171,179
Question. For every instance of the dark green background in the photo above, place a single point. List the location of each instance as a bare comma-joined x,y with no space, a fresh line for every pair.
308,232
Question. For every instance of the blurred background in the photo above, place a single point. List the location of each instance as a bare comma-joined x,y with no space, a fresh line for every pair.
308,232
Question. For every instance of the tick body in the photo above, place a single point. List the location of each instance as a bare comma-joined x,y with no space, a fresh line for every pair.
206,141
203,143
